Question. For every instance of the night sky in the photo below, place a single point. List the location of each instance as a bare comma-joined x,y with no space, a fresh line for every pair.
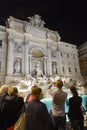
68,17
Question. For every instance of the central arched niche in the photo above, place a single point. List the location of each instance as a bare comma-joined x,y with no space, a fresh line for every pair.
37,62
37,53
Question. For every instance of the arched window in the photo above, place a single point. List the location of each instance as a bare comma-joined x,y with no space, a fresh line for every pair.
67,55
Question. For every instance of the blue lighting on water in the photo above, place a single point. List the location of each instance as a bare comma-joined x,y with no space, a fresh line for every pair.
48,102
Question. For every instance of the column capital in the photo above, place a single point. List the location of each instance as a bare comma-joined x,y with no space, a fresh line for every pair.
30,55
45,57
10,39
26,42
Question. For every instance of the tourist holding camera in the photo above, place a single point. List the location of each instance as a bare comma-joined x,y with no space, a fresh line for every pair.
58,105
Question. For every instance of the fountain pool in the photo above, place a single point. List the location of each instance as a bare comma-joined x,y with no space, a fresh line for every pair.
48,102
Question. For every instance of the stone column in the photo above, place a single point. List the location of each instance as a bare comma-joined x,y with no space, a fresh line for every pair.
45,65
4,48
26,60
59,64
10,57
30,64
58,59
49,65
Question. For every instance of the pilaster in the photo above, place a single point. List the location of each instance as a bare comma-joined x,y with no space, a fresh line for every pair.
10,57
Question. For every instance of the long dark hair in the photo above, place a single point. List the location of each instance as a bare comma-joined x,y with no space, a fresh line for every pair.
74,91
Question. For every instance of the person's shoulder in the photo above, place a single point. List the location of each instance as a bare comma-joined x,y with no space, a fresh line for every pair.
79,97
42,103
65,93
34,103
71,99
3,97
19,99
3,94
52,91
9,98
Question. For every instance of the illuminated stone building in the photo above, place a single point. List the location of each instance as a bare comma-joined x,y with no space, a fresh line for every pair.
83,60
27,46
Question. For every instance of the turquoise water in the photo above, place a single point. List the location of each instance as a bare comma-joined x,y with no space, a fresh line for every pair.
48,102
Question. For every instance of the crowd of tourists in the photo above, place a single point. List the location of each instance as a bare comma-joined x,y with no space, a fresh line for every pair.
32,114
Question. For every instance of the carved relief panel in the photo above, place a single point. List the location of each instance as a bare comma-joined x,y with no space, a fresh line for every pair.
18,48
54,53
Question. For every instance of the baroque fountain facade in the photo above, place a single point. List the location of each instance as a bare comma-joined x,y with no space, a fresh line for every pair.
31,54
28,48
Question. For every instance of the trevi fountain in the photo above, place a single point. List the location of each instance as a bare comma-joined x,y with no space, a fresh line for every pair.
31,54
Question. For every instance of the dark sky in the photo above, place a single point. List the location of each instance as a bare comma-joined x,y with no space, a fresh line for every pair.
68,17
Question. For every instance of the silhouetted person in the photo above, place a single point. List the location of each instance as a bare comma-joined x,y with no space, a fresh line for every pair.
3,94
37,116
13,104
75,112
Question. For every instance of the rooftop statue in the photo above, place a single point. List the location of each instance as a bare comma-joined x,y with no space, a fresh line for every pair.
36,21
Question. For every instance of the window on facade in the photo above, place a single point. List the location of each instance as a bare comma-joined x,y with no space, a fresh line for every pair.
73,56
69,69
75,69
0,43
63,69
61,54
67,55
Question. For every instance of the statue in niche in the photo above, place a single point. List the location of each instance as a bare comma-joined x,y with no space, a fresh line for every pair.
54,68
17,66
34,73
37,72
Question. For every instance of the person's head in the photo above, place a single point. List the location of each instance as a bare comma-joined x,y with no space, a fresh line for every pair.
35,86
13,91
37,92
73,91
4,89
59,84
